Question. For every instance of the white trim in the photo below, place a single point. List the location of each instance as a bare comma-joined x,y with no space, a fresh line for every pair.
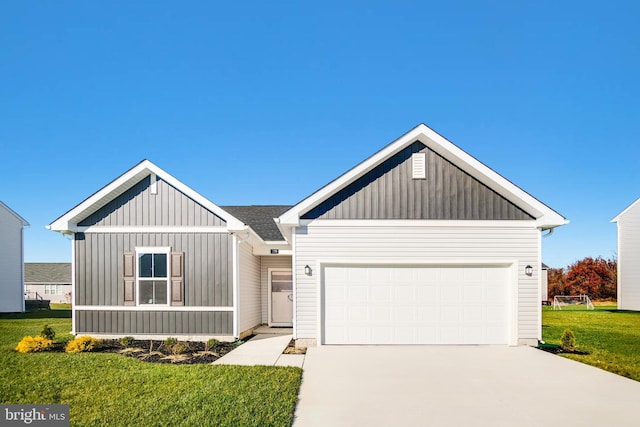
547,217
149,307
166,250
631,206
73,285
619,293
236,285
22,268
160,337
512,297
269,300
69,221
294,277
415,223
537,269
142,229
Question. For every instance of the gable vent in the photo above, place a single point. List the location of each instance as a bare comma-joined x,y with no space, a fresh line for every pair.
419,165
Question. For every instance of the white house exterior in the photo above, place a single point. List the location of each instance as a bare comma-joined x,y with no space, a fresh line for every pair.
419,244
11,260
628,222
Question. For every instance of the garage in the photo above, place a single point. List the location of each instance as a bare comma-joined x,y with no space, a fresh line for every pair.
415,304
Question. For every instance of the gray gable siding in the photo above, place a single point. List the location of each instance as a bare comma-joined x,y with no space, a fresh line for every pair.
138,207
389,192
207,257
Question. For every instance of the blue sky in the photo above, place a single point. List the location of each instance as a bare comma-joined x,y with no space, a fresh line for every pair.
260,102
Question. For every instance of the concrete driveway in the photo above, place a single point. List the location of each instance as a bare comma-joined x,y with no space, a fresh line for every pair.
459,386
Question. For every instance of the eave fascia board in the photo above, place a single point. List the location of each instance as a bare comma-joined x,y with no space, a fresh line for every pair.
69,220
544,214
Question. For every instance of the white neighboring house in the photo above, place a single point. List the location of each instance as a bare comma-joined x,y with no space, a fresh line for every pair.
11,260
629,257
48,280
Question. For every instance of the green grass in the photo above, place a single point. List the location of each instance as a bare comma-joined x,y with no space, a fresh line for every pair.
113,390
612,337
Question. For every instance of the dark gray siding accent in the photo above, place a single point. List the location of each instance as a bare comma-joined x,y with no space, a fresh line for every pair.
389,192
154,322
208,278
138,207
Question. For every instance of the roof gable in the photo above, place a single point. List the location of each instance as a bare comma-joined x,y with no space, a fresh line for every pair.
68,222
544,216
14,214
388,191
629,208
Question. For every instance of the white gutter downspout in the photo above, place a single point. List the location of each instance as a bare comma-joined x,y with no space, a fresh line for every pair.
236,282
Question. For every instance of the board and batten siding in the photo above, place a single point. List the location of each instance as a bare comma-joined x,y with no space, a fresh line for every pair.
165,323
628,259
138,207
388,191
207,257
419,245
268,262
249,292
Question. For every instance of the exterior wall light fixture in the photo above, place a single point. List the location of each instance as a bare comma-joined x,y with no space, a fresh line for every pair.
528,270
307,270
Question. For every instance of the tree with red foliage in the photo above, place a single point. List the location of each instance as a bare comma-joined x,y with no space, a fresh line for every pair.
596,278
557,282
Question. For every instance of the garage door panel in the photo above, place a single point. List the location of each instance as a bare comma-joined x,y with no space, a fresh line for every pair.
415,305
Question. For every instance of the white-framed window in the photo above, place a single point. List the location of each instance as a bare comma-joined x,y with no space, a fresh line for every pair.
53,289
152,275
27,288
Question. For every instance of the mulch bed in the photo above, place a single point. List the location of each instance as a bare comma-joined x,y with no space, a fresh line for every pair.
158,352
556,349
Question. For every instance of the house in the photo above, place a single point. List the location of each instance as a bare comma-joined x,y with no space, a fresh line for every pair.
418,244
48,280
628,222
11,260
544,283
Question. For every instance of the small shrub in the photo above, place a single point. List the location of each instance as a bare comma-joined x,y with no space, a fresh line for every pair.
211,343
82,344
33,344
170,342
47,332
126,341
181,347
568,340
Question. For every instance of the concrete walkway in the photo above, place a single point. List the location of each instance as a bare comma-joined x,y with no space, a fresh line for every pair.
459,386
263,349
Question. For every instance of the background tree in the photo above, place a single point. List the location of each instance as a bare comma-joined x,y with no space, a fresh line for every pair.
596,277
557,282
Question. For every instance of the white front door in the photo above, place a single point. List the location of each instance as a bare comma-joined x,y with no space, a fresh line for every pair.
280,297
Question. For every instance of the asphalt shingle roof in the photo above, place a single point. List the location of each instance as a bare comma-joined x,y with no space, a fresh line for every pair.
260,218
47,272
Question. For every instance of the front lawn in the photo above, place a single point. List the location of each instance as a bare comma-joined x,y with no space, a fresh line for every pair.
610,336
113,390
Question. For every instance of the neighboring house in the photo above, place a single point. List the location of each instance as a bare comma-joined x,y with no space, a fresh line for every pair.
11,260
544,283
48,280
419,244
628,222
